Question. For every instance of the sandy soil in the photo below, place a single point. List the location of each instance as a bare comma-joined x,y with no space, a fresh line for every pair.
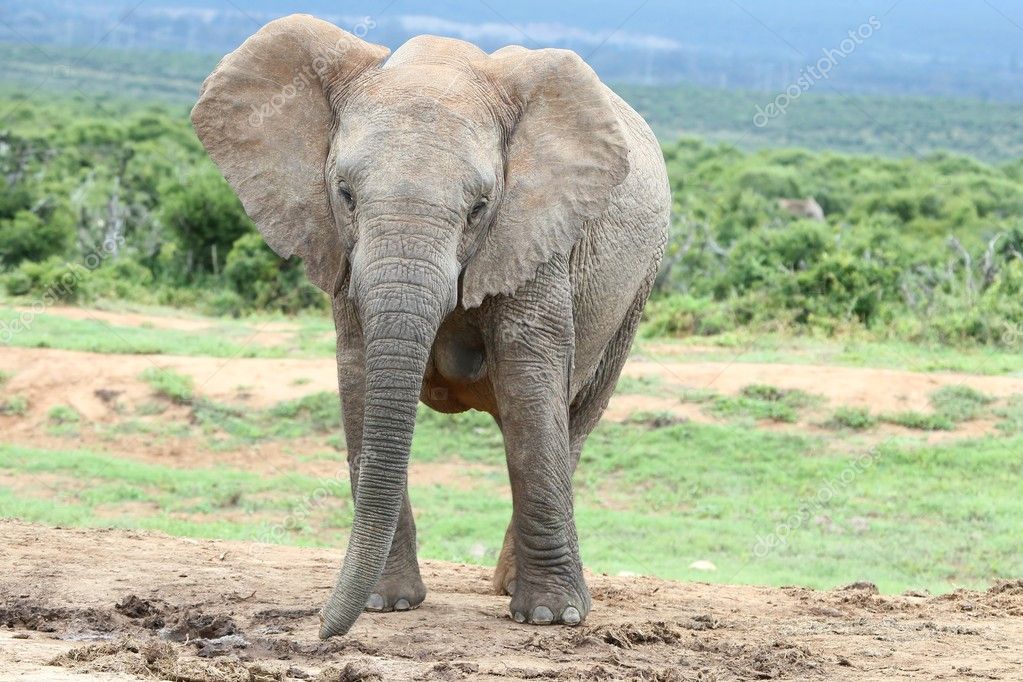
114,608
100,385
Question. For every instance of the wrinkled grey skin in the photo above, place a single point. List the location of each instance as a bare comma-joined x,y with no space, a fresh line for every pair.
488,227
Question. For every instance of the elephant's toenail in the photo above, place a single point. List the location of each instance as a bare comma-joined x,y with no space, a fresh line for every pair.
519,618
510,587
375,602
570,616
542,615
401,605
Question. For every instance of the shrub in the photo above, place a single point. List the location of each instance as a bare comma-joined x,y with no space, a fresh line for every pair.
53,279
263,281
207,219
27,236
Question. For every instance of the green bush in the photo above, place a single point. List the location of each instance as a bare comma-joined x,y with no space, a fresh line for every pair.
27,236
207,219
263,281
53,279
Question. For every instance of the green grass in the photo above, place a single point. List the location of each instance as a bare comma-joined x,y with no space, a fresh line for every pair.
648,500
223,338
960,403
919,421
4,378
855,418
63,414
166,383
14,405
1011,415
229,426
763,402
742,347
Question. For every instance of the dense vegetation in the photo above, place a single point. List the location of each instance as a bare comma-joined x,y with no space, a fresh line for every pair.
104,201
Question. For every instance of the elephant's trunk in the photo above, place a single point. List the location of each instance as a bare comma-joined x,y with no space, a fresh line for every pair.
403,288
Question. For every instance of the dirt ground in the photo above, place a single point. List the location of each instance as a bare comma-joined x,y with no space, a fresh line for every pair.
112,607
80,604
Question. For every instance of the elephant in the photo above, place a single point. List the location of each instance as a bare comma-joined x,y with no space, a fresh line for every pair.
488,228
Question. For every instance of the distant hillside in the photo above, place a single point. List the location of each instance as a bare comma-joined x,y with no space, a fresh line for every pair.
890,126
951,48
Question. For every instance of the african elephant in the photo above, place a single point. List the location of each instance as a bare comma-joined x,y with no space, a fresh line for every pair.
488,228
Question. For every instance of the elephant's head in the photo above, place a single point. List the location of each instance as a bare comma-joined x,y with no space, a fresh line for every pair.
411,184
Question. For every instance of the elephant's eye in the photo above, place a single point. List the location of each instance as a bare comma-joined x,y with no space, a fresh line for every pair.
344,191
477,209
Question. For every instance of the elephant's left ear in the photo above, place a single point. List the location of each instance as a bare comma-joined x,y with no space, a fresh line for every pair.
566,152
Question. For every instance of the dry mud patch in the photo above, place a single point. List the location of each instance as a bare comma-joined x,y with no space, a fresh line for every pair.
127,605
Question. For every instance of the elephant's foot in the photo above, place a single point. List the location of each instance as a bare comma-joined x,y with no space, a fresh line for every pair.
504,574
550,602
397,592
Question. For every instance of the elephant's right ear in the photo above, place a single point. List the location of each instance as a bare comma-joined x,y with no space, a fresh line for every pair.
265,116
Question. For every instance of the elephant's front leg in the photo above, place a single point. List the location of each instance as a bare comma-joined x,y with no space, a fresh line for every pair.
400,587
530,355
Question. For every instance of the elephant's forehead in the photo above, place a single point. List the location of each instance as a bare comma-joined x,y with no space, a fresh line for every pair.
414,114
436,90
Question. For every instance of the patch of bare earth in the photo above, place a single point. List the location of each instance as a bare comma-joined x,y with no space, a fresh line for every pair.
137,605
102,387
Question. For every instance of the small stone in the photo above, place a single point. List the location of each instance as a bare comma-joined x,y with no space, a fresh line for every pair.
702,565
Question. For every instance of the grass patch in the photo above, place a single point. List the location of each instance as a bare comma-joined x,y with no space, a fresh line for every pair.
960,403
319,413
855,418
1011,415
222,339
919,421
63,414
641,385
748,346
758,401
14,405
166,383
4,378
